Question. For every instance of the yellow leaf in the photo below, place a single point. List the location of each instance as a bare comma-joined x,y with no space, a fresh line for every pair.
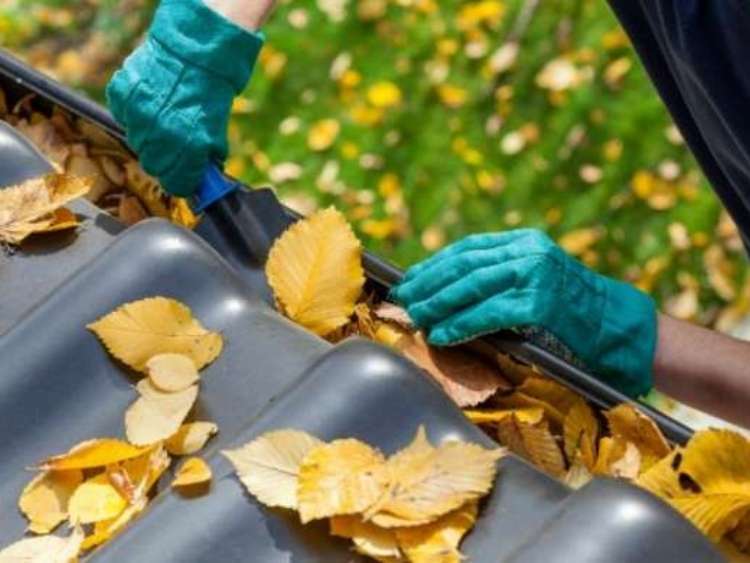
92,453
465,378
172,372
137,331
627,424
315,271
580,431
342,477
94,500
428,482
452,96
62,220
661,478
194,471
369,539
44,501
181,214
157,415
44,549
519,400
580,240
578,474
533,442
30,207
147,189
610,450
629,465
531,415
269,465
550,392
323,134
190,438
438,542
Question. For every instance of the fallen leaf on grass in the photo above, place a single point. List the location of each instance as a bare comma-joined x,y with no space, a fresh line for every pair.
44,549
157,415
172,372
315,271
137,331
194,471
190,438
466,379
342,477
44,501
426,482
269,465
93,453
30,207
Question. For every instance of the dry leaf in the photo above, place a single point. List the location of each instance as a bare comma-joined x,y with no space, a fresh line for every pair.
342,477
393,313
533,442
519,400
315,271
708,482
438,542
269,465
190,438
93,453
531,415
580,432
171,372
44,501
144,472
94,500
513,371
147,189
44,549
629,465
157,415
578,474
29,207
194,471
369,539
62,220
467,379
628,424
428,482
137,331
181,214
550,392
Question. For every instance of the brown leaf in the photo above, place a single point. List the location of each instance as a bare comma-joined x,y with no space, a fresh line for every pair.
466,379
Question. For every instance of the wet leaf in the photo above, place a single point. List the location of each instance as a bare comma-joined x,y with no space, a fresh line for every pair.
30,207
194,471
44,501
269,465
190,438
137,331
315,271
343,477
427,482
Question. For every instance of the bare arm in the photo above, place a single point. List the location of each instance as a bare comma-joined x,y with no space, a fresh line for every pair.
704,369
249,14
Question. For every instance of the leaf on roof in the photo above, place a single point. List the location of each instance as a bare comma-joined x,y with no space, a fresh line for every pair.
315,271
137,331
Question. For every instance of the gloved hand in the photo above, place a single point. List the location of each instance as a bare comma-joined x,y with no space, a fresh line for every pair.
521,278
174,93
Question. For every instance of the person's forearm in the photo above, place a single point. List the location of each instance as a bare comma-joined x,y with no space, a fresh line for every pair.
249,14
704,369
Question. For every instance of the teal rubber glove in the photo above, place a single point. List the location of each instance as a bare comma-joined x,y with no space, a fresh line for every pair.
174,93
521,278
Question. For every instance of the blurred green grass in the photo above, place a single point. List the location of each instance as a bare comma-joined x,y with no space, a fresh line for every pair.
414,118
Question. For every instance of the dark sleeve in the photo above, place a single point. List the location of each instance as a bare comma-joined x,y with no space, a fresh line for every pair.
697,52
